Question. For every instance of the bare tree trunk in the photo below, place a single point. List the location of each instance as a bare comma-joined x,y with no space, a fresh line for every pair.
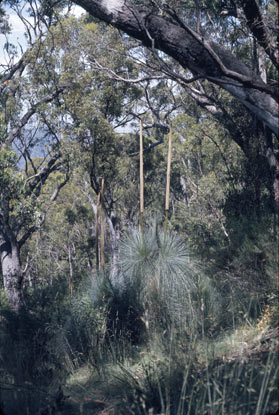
114,235
262,64
97,231
11,271
273,162
70,259
114,243
102,227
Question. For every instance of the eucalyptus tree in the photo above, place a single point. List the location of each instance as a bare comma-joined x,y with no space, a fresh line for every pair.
196,36
22,208
77,119
155,97
30,151
101,114
61,253
160,27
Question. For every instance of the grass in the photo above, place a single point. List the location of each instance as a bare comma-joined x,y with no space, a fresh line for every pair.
242,382
233,374
142,343
177,367
232,343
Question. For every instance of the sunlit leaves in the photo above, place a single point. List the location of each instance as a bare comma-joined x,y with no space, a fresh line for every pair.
12,192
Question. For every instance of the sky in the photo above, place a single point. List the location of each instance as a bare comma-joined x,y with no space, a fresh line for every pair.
17,34
15,37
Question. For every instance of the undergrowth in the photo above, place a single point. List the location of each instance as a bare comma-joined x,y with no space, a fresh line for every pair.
149,340
177,355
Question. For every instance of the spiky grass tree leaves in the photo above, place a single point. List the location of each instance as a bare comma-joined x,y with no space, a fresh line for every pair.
137,254
158,266
169,284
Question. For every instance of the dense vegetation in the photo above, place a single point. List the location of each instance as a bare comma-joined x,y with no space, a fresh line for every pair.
107,309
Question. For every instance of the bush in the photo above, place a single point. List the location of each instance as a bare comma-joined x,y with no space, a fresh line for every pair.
31,365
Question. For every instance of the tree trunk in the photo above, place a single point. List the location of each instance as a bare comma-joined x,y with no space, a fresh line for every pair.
114,241
70,260
273,162
114,236
11,271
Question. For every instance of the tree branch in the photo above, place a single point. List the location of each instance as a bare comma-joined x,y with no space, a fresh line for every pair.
208,60
247,81
257,26
147,149
32,110
53,197
40,177
60,186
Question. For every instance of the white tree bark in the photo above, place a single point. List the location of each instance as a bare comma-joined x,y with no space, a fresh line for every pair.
11,271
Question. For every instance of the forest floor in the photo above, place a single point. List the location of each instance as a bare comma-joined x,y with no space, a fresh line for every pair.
87,391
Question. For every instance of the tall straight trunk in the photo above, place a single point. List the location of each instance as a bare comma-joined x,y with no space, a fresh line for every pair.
167,202
11,271
97,231
70,259
141,179
102,226
273,162
113,226
114,231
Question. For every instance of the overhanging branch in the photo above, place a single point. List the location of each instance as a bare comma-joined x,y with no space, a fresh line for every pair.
192,53
247,81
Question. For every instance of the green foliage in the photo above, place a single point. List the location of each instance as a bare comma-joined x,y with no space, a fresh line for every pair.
4,25
159,283
181,386
225,213
85,332
160,302
8,179
31,361
157,265
12,190
66,241
125,311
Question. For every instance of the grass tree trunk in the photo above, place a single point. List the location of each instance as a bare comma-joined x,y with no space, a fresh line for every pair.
11,271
